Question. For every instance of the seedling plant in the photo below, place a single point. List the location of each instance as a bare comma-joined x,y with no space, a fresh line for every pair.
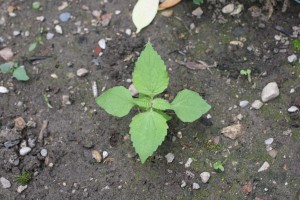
17,71
246,72
148,128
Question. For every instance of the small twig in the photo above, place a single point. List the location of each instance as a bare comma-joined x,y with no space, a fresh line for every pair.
44,127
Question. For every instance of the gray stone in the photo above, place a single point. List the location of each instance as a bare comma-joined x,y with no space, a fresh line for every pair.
196,186
21,188
82,72
44,152
228,8
64,17
269,141
292,58
270,92
5,183
170,157
244,103
257,104
31,142
293,109
205,177
24,151
49,36
188,163
11,143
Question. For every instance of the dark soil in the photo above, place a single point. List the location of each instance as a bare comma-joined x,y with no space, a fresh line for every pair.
69,170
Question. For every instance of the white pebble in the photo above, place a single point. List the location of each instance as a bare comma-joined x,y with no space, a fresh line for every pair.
102,43
188,162
49,36
270,92
24,151
264,167
239,116
205,177
293,109
3,90
44,152
94,89
228,8
170,157
82,72
117,12
133,90
5,183
104,154
292,58
21,188
16,33
292,90
58,29
257,104
269,141
196,186
128,32
243,104
183,184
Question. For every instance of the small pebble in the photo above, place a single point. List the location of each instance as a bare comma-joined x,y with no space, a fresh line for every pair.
16,33
128,32
293,109
167,13
243,104
117,12
133,90
44,152
40,18
63,5
270,92
292,90
49,36
197,12
183,184
264,167
104,154
64,17
5,183
292,58
269,141
24,151
58,29
205,177
228,8
31,142
170,157
21,188
3,90
239,116
26,34
82,72
179,134
102,43
188,163
196,186
97,156
257,104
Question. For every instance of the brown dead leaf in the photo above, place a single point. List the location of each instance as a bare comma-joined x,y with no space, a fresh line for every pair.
234,131
168,4
247,187
6,54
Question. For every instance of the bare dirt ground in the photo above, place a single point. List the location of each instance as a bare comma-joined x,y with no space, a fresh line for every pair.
76,125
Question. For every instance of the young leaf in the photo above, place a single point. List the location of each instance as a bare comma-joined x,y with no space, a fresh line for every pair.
218,165
148,130
6,67
143,13
150,76
116,101
143,102
32,46
161,104
189,106
20,74
166,116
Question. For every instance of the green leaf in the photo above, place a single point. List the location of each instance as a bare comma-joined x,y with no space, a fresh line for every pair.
116,101
36,5
150,76
143,13
198,2
161,104
6,67
32,46
20,74
148,130
165,115
143,102
218,165
189,106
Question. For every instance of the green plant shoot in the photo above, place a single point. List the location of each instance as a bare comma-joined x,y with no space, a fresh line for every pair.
24,178
247,73
17,72
296,44
198,2
218,166
148,129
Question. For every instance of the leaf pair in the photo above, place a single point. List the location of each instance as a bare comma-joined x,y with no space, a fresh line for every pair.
149,129
17,72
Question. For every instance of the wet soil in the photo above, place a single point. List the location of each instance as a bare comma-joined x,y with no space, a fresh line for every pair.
75,130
